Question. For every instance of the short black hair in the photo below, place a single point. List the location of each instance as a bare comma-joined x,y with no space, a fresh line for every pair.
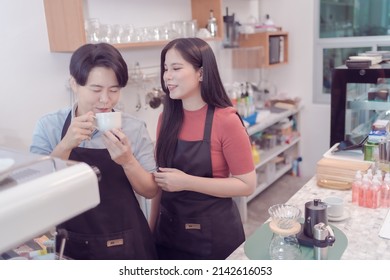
89,56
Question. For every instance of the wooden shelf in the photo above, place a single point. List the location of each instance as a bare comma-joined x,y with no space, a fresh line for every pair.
66,31
152,43
273,51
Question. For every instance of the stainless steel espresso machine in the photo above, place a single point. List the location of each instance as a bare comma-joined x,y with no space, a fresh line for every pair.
39,192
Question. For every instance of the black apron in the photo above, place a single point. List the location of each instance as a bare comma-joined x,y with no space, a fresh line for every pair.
116,228
193,225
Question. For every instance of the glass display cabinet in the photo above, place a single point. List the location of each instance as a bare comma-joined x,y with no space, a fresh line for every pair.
359,97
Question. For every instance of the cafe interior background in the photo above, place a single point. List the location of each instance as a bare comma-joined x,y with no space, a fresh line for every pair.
34,80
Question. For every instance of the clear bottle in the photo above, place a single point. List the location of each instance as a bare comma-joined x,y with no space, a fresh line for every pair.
212,24
356,185
385,192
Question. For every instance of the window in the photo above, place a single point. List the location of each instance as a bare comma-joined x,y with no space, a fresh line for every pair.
346,28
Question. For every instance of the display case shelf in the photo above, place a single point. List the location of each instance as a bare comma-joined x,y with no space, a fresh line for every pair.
368,105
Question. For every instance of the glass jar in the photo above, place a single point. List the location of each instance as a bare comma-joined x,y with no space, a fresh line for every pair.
284,247
284,244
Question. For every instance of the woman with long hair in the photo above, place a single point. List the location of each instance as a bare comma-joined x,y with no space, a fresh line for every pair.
204,156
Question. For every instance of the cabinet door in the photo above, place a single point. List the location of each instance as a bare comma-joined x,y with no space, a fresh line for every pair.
65,24
274,47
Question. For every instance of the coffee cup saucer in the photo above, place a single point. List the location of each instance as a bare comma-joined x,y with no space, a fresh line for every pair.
343,217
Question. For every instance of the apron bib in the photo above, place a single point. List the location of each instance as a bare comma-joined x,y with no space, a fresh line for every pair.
116,228
193,225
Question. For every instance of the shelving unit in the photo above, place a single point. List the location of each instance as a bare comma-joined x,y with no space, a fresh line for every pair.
66,31
267,172
273,54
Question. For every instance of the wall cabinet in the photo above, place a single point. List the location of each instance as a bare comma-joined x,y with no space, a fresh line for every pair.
66,31
270,168
267,49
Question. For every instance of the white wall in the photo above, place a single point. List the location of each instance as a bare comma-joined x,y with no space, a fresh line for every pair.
296,78
34,80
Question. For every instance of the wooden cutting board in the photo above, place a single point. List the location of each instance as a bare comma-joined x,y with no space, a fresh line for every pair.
338,173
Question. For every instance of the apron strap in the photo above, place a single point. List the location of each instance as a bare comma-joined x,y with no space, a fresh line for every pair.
66,124
209,123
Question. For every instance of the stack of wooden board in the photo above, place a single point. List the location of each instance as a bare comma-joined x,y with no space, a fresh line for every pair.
339,173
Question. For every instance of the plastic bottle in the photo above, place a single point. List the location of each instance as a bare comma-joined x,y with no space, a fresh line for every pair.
372,198
255,154
233,97
379,175
366,182
356,185
370,174
385,192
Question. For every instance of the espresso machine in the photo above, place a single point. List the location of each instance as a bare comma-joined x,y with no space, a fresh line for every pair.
39,192
316,214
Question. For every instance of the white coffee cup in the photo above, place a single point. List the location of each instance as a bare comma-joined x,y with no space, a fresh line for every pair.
108,121
335,206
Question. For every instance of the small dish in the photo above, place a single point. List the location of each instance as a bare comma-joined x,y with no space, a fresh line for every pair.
5,165
343,217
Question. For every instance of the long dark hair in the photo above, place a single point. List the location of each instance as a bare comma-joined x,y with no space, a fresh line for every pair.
198,53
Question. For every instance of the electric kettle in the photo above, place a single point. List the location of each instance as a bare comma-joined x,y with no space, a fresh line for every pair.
315,213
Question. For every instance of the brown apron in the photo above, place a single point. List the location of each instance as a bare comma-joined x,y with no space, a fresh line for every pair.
193,225
116,228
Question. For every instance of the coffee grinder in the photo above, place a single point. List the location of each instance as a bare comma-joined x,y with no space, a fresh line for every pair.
315,213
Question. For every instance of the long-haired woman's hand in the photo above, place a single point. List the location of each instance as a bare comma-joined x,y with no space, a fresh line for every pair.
170,179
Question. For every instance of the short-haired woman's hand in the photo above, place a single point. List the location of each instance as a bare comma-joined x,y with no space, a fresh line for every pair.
118,146
80,129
